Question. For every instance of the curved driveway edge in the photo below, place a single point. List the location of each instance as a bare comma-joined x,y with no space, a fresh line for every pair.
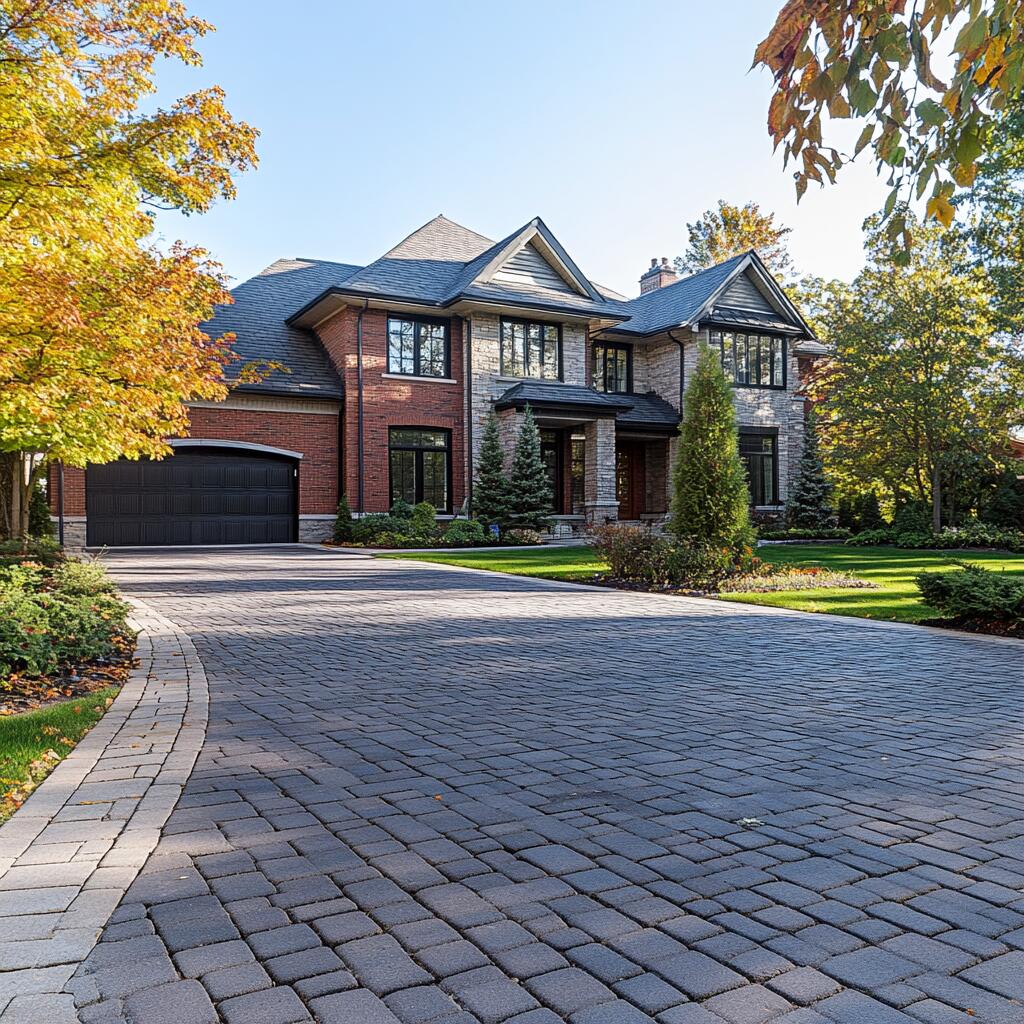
70,853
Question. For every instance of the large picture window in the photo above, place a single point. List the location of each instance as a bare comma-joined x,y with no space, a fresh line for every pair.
531,349
752,360
420,464
612,370
759,453
418,348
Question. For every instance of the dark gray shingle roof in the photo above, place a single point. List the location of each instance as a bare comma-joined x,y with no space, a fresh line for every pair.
665,308
257,319
648,410
540,394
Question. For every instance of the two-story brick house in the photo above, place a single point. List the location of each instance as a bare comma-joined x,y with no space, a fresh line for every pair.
392,369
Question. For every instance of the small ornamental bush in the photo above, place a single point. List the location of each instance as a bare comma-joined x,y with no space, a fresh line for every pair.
423,521
402,511
54,618
44,550
635,555
367,529
973,593
343,523
522,535
465,533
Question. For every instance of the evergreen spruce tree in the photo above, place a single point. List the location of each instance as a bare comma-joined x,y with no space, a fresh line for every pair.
39,522
810,506
711,501
492,492
531,488
343,522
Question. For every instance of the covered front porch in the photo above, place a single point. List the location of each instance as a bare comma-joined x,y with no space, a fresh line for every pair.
605,460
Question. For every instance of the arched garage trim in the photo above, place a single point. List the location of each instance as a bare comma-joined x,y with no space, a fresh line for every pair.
200,442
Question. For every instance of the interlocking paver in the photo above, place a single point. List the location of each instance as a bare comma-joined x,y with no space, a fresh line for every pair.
425,791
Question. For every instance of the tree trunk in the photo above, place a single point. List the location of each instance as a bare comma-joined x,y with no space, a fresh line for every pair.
936,500
10,495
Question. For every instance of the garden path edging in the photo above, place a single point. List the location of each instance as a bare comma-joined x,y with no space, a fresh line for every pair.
69,854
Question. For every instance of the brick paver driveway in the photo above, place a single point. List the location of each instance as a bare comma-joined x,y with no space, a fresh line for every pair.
433,795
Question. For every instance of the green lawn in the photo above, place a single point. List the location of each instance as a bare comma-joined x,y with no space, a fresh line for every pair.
893,569
32,744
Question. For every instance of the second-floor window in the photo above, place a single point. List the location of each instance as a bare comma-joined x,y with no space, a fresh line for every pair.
418,348
530,349
612,368
752,360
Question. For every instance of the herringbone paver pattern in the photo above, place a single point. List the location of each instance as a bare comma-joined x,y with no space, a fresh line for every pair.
430,796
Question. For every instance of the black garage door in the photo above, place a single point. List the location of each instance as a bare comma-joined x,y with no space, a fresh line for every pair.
196,496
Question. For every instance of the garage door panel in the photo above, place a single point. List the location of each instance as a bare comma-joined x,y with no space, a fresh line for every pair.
196,496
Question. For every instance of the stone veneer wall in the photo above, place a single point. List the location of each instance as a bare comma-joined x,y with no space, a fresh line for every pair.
489,384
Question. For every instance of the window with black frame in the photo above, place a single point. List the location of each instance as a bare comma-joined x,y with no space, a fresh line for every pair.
417,348
759,454
531,349
752,360
420,466
612,368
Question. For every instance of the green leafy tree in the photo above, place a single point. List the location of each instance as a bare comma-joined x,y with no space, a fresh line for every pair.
920,390
871,62
710,503
810,505
531,498
492,490
720,234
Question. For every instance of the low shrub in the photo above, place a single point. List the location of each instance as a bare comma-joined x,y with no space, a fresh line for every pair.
465,533
44,550
423,521
402,511
972,593
522,535
971,535
796,533
367,529
56,617
635,555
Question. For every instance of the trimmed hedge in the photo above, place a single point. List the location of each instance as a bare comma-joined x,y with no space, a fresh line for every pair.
971,535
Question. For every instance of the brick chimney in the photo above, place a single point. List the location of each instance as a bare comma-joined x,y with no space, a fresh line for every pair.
659,275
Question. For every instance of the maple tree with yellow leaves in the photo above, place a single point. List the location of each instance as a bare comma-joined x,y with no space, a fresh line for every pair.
100,345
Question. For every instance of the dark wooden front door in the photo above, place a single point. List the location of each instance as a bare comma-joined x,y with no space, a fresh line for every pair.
552,445
630,479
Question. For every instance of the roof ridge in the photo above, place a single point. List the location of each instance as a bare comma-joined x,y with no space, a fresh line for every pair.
422,227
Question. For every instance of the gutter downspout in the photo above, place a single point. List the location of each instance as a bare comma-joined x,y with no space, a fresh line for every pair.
467,369
359,402
682,370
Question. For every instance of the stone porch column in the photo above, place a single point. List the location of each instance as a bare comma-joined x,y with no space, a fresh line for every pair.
600,505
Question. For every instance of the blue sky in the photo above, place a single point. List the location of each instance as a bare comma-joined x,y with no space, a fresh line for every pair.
615,122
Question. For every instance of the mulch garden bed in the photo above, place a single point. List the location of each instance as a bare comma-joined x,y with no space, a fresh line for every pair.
1011,630
21,693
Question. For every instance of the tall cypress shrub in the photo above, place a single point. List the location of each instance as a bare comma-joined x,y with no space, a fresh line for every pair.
711,500
531,488
492,492
810,506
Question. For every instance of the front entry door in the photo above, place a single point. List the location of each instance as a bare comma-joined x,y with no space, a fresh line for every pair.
630,479
551,451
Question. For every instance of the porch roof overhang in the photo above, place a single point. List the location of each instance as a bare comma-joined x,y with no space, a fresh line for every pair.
564,399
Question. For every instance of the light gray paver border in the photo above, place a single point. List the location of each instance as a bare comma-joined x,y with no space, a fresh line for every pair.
70,853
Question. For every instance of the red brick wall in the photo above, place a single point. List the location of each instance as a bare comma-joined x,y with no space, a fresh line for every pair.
316,436
390,402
